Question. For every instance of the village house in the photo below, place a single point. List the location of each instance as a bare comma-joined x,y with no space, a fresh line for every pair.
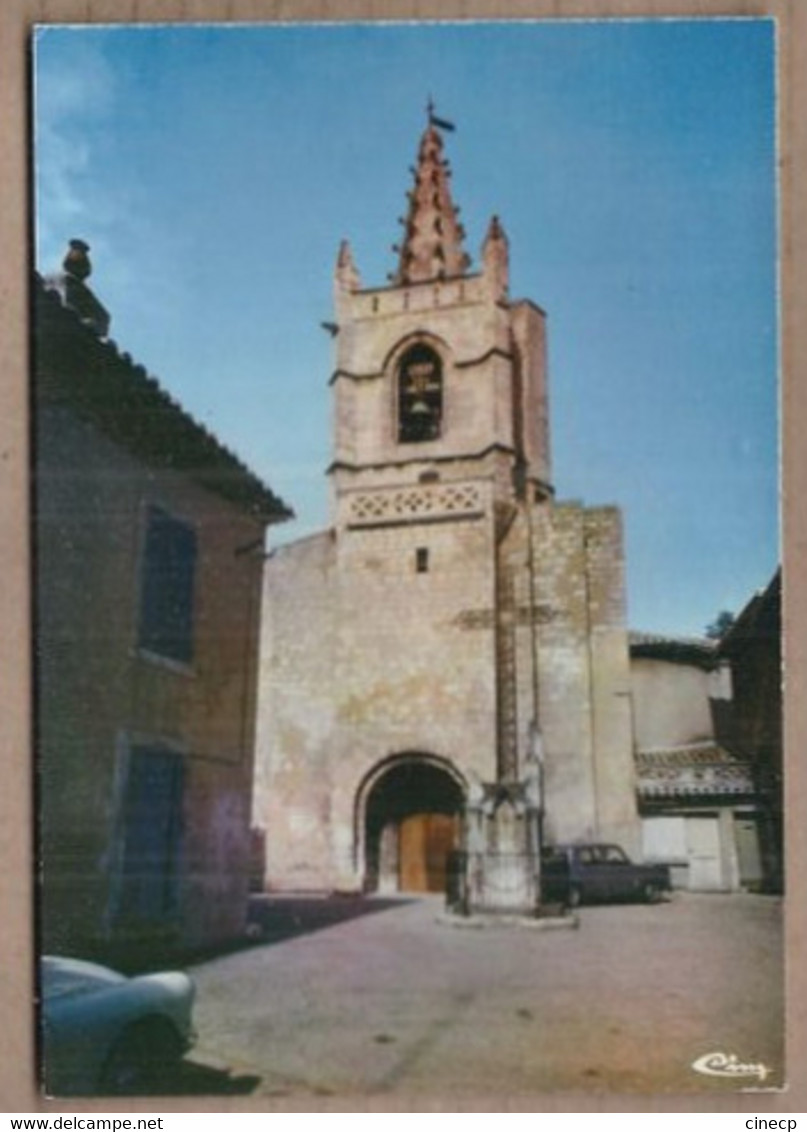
697,788
148,539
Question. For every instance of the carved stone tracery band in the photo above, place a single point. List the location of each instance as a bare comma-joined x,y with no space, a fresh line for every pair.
397,504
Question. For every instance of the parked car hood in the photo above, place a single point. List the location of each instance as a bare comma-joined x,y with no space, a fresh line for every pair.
62,976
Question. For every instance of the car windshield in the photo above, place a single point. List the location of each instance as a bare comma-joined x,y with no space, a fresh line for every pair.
601,855
61,977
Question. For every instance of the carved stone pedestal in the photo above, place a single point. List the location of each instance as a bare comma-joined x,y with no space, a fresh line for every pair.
501,864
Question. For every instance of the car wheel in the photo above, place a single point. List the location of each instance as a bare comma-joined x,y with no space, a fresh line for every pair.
141,1060
575,898
651,893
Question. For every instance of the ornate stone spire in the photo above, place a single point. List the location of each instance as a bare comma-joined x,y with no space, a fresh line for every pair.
347,275
496,258
432,244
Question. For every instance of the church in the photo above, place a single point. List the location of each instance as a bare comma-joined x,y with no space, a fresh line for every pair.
456,621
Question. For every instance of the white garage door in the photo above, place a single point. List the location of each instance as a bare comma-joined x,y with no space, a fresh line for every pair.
746,836
703,851
664,839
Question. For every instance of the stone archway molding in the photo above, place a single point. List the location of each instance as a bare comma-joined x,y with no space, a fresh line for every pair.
375,775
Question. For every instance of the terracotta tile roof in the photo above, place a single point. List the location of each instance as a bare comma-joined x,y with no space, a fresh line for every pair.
696,769
75,365
692,754
678,650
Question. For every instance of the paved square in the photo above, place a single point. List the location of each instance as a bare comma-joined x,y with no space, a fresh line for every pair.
395,1003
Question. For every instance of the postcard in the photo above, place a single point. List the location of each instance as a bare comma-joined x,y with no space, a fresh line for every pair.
407,561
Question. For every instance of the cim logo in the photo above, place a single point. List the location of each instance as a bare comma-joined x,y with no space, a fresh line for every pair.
720,1064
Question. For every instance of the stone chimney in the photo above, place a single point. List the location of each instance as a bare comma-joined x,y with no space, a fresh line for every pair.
70,285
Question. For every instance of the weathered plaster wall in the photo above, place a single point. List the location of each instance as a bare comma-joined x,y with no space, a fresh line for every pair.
98,693
671,702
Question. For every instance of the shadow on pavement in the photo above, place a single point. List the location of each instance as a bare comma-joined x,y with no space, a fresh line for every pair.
202,1080
270,919
189,1079
273,919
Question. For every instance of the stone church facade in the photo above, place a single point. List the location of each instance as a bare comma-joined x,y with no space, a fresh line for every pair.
456,620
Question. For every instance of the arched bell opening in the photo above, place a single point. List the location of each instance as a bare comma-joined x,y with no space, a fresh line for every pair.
420,394
412,814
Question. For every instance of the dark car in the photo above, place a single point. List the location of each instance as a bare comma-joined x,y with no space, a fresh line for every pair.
577,874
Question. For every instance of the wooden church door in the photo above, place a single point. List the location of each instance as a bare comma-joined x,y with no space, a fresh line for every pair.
425,840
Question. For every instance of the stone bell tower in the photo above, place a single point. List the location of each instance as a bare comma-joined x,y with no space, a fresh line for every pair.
440,380
443,665
441,416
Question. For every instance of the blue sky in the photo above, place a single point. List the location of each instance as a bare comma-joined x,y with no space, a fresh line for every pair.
215,169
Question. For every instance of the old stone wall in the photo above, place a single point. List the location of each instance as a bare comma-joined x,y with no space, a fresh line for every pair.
296,713
463,332
531,411
494,378
573,661
610,675
559,649
415,662
368,657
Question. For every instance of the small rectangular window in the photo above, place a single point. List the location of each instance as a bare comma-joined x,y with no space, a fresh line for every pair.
166,598
422,559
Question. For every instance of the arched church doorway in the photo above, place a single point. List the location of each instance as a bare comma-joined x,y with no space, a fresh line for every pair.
412,813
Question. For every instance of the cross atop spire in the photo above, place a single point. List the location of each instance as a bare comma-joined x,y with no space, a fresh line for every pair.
432,244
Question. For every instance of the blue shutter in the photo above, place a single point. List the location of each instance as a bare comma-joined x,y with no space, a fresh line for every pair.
152,820
169,568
